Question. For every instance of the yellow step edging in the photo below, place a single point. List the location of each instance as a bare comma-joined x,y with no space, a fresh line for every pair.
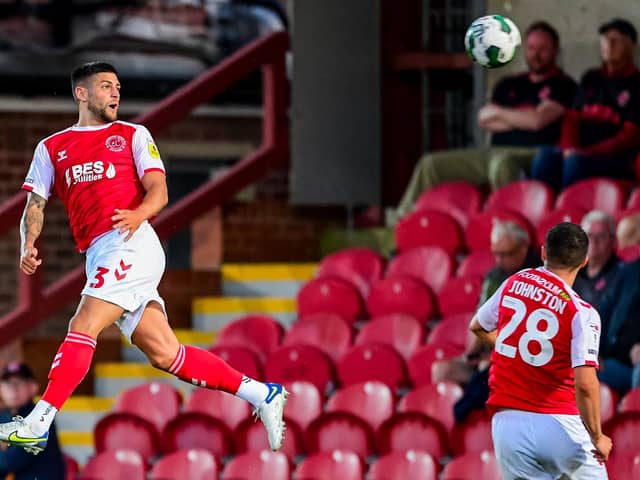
210,305
190,337
68,438
268,271
128,370
88,404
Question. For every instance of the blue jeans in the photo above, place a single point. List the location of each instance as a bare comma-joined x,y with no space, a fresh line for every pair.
549,166
616,374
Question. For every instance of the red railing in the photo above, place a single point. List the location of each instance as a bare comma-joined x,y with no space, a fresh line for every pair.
35,304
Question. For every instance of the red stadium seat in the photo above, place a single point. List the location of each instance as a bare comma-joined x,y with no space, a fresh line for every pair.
301,362
227,408
340,431
472,465
72,467
413,431
328,332
197,430
459,199
436,401
193,464
630,402
633,203
623,466
338,464
304,404
478,232
361,267
401,295
476,264
623,429
530,198
573,215
402,332
453,331
330,295
125,431
429,228
629,254
373,402
432,265
241,358
260,333
472,435
593,194
459,295
404,465
608,401
251,436
419,365
154,401
110,464
374,361
264,465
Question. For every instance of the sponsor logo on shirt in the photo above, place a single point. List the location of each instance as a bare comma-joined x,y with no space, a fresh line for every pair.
88,172
115,143
153,150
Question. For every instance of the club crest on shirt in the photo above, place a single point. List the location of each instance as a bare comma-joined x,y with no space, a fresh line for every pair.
115,143
623,98
544,93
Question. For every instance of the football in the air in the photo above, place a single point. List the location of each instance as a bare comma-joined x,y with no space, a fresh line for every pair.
492,41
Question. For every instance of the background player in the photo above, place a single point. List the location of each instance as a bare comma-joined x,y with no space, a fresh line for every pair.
111,180
544,391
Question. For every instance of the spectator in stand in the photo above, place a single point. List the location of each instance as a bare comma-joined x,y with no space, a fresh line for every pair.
601,133
525,112
510,247
18,388
603,267
628,231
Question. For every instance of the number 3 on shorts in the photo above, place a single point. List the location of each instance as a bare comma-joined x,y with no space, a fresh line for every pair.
99,277
533,333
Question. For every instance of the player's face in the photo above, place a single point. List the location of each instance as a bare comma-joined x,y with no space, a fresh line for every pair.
509,253
601,241
540,52
615,47
103,96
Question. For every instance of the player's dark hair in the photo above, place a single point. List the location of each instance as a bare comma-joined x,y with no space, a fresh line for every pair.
566,246
542,26
87,70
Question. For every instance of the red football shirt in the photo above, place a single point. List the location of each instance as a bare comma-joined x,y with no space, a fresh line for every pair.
544,330
94,170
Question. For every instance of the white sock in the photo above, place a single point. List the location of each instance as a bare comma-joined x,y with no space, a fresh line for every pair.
41,417
252,391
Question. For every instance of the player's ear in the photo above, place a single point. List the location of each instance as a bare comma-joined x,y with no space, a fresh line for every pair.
584,262
80,93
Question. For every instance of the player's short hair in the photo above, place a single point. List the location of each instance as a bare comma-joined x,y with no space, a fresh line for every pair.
542,26
87,70
566,246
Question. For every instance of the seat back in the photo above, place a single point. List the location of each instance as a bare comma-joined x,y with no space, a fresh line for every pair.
459,295
472,465
429,227
413,431
125,431
373,402
553,217
260,333
461,200
623,429
476,264
340,431
227,408
301,362
154,401
452,330
419,365
251,436
404,464
361,267
530,198
118,463
478,231
371,362
328,332
241,358
264,465
630,402
593,194
473,434
608,402
192,464
338,464
402,332
196,430
436,401
330,295
623,465
305,403
431,265
401,295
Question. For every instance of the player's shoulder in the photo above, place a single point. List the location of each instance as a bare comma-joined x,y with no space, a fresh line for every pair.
56,135
134,127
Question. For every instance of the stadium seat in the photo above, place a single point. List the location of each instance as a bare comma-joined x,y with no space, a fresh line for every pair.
338,464
401,295
436,401
623,466
459,295
412,431
453,331
573,215
227,408
530,198
326,331
340,431
72,467
404,465
251,436
429,228
431,265
301,362
629,254
241,358
458,199
330,295
373,402
630,401
608,402
361,267
402,332
633,202
304,404
419,365
472,435
370,362
476,264
593,194
197,430
154,401
623,429
264,465
125,431
478,231
193,464
118,463
260,333
472,465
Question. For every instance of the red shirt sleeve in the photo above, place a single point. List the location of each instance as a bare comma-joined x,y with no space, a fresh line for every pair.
628,138
570,136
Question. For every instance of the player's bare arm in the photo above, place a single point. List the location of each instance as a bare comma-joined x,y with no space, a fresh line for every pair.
155,199
588,400
484,336
30,229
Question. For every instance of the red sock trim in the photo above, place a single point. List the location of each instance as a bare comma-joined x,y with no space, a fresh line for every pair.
204,369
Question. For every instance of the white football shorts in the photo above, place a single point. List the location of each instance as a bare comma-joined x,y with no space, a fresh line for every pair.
126,274
539,446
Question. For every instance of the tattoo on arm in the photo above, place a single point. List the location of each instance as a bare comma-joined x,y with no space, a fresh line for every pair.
32,219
